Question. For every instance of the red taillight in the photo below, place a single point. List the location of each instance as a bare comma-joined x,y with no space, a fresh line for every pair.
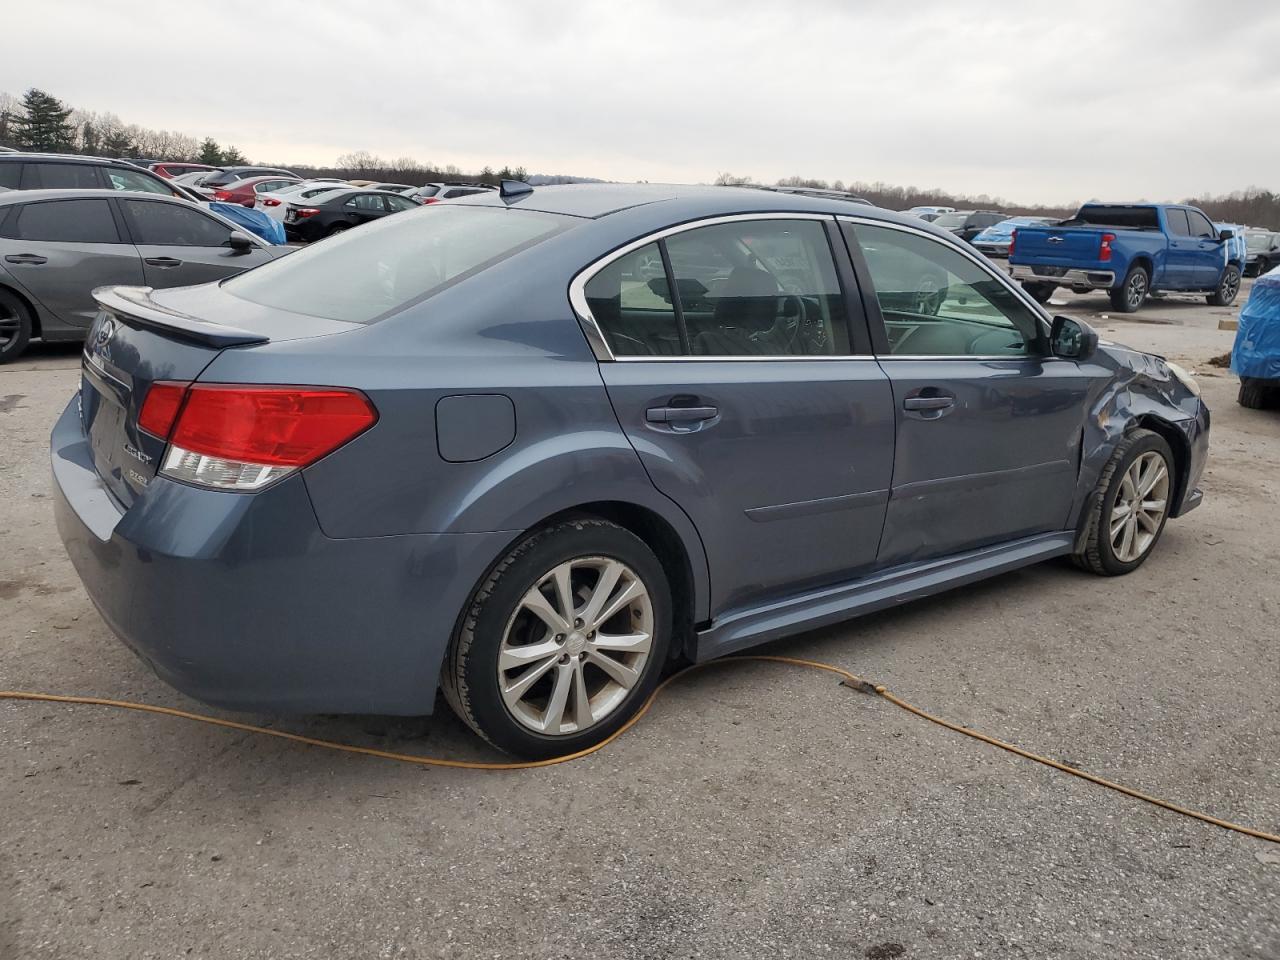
1013,238
306,212
270,426
271,202
1104,251
160,408
425,200
221,195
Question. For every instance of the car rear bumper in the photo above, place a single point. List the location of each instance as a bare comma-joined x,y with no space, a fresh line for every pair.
1093,279
241,601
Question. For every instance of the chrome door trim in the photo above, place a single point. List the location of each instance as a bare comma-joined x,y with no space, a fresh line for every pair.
595,336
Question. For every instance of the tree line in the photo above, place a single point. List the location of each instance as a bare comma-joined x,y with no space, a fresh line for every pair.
1253,207
40,122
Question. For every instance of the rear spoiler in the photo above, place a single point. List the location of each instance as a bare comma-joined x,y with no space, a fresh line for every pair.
134,306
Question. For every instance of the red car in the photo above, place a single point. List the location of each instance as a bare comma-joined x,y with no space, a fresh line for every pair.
245,192
171,170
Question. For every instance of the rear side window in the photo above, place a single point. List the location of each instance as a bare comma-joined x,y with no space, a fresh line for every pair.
1132,218
756,288
10,175
67,221
60,176
364,275
174,225
1178,223
399,203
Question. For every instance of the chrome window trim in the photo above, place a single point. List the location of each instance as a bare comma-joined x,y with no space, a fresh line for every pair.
1036,309
595,336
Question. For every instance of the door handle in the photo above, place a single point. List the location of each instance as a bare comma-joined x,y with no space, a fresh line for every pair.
32,258
928,403
162,262
680,414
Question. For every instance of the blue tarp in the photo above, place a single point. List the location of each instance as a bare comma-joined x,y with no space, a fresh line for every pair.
253,220
1256,352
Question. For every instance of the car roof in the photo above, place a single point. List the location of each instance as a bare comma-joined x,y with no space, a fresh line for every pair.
10,197
650,206
64,158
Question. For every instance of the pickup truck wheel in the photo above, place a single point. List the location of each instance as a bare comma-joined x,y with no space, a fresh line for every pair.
15,326
1128,297
1040,292
1228,287
1128,510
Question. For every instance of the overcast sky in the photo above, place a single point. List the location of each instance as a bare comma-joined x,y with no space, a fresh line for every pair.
1031,101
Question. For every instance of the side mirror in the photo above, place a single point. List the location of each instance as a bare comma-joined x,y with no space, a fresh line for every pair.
239,242
1072,339
1226,234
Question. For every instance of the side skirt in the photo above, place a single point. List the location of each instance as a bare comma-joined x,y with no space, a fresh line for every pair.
739,629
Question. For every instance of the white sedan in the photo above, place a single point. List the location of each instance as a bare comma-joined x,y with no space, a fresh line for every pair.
274,203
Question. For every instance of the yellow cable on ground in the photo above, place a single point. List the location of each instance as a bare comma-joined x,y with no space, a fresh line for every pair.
847,678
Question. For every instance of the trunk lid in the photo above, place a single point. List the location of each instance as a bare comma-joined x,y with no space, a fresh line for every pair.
141,336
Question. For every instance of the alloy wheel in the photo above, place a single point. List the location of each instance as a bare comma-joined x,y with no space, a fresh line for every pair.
1137,289
1230,286
10,326
575,646
1139,507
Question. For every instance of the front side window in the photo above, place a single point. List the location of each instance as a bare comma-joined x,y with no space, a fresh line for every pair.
361,276
67,221
936,302
171,224
10,175
133,180
1200,225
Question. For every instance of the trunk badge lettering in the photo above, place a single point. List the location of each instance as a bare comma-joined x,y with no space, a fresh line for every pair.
136,453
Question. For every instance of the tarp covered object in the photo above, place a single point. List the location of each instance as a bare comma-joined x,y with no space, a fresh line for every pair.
254,220
1257,348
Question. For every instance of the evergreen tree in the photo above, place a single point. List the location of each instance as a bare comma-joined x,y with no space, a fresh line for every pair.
43,126
117,144
210,152
486,175
90,139
231,157
519,173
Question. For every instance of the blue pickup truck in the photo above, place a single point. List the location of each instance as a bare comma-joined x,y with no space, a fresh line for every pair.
1129,250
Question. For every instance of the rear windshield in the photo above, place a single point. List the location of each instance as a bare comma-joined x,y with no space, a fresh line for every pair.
951,220
1127,218
428,191
363,275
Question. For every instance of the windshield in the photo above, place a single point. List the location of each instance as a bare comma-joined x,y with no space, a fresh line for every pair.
364,275
951,220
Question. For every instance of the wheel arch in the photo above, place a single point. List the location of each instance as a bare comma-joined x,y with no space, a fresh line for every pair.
36,322
1142,260
1180,446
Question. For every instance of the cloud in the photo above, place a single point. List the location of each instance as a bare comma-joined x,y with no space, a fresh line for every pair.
1019,101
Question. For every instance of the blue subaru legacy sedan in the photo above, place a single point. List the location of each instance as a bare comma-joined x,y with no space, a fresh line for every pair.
534,446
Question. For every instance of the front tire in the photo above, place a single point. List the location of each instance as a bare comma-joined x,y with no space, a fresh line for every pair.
1130,507
1254,393
1228,287
1131,294
15,327
563,642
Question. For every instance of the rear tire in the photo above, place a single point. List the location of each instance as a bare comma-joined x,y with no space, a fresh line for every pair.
507,637
1131,293
1112,546
338,228
1039,292
1228,288
16,324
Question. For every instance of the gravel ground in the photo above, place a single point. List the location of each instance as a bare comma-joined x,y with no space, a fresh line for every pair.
759,811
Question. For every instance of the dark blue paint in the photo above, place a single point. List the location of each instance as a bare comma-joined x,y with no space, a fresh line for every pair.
809,493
